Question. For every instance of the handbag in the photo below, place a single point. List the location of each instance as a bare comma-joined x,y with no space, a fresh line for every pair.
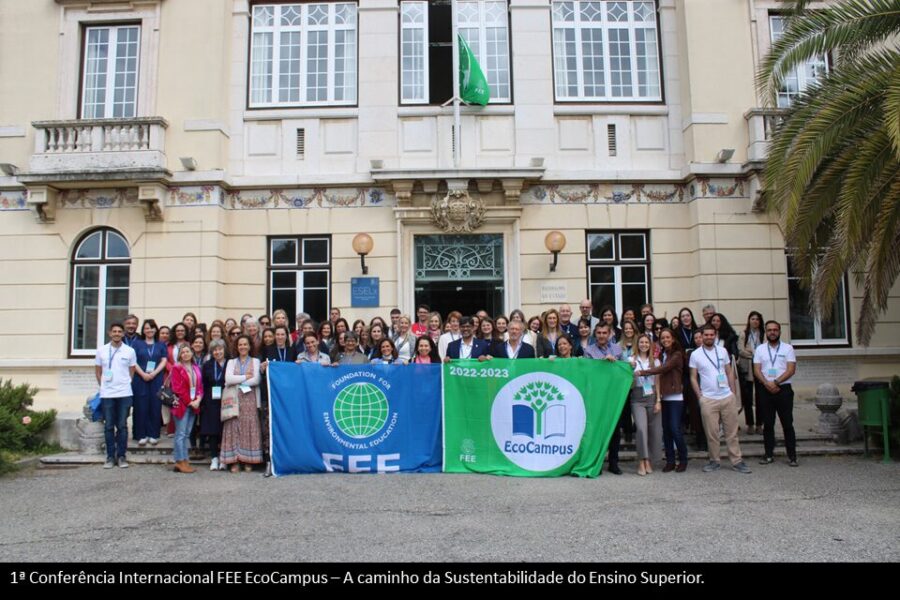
230,399
167,396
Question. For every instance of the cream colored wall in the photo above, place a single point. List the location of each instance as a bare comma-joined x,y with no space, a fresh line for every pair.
28,68
195,38
716,45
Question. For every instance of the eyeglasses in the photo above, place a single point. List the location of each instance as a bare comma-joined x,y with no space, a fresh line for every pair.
234,333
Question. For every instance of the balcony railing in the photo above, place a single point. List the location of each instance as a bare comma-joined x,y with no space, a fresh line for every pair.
762,123
99,145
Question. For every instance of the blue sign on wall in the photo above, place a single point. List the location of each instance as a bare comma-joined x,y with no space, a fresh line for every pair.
364,292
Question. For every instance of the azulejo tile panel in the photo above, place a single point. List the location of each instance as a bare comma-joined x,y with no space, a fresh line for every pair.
648,193
309,198
99,198
13,200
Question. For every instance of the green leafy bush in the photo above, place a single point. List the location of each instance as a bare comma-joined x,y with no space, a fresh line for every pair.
21,428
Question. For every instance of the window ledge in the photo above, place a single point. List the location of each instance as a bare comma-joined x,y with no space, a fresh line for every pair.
312,112
436,111
863,352
611,109
45,363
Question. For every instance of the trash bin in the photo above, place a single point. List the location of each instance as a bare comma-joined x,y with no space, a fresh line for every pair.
874,399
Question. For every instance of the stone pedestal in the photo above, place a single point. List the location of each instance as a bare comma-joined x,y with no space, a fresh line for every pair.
828,401
91,438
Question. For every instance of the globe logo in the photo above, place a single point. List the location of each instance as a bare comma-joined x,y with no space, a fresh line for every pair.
360,410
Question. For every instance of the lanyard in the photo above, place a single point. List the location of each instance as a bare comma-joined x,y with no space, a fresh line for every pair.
686,336
754,339
716,364
769,350
641,364
282,354
215,371
243,365
112,354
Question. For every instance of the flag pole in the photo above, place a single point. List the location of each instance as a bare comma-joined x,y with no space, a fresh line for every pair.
456,118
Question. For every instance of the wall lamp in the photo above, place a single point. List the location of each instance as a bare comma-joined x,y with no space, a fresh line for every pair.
724,155
189,163
555,242
362,245
9,169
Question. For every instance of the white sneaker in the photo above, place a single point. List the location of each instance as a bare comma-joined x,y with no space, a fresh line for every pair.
222,466
153,441
109,464
143,441
214,464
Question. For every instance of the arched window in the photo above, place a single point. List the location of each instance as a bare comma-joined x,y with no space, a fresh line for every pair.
101,271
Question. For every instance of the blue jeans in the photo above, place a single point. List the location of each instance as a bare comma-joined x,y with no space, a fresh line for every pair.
673,437
183,427
115,417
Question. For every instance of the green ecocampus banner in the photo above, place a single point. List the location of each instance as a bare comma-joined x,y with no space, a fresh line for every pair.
531,418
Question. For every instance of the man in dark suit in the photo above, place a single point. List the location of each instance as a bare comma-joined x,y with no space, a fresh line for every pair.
468,346
515,347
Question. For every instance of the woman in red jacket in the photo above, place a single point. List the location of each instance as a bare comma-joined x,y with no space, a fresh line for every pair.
187,383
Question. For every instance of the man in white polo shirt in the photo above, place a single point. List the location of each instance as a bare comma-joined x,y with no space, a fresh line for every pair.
114,367
774,364
713,381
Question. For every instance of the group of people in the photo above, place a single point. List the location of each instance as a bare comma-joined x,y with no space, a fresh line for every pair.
215,374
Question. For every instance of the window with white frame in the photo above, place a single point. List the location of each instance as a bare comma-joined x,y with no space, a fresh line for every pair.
606,51
426,57
101,269
300,275
618,264
303,54
808,329
110,72
800,78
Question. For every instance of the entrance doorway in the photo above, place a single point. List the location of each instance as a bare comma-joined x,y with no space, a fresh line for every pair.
460,272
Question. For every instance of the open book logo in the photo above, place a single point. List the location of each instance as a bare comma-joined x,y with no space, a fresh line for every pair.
539,411
538,420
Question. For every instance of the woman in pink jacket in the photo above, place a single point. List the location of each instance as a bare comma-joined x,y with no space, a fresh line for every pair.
187,383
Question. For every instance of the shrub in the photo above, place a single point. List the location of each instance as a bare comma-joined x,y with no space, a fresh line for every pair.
21,428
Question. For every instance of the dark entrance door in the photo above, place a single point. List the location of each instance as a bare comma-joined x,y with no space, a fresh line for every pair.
460,272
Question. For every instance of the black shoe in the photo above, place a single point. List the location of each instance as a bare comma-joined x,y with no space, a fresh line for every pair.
614,469
793,463
766,460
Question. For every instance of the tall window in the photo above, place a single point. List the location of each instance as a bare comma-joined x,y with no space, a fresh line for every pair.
606,51
300,275
426,54
303,54
110,73
810,330
801,77
101,268
618,266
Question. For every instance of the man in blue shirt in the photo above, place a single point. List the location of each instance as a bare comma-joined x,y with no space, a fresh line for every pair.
606,350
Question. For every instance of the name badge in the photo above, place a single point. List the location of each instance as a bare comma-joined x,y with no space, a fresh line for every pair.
217,392
193,393
722,379
151,364
245,389
108,375
648,388
771,372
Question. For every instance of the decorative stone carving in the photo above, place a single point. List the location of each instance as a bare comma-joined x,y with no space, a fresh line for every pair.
828,401
457,212
91,437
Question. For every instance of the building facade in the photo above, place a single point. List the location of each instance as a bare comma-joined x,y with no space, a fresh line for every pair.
219,156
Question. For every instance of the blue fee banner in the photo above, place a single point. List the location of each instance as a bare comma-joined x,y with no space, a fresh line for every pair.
354,418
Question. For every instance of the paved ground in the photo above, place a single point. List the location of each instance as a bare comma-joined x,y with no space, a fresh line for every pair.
829,509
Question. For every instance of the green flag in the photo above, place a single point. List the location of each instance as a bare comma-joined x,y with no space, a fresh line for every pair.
473,85
531,418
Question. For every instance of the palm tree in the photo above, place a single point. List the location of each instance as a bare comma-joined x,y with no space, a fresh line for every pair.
833,169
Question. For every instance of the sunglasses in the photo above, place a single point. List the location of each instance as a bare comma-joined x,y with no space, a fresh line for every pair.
235,333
